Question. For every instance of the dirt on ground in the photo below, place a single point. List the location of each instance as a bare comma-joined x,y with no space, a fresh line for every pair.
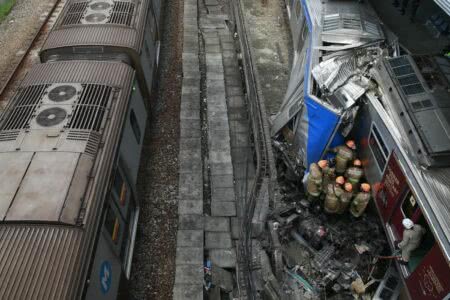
17,31
153,270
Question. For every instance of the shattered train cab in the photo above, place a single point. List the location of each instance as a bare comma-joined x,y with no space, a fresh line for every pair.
351,80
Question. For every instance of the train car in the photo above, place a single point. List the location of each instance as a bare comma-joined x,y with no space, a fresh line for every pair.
350,79
125,30
69,139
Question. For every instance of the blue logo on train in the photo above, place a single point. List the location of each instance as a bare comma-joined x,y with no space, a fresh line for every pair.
105,276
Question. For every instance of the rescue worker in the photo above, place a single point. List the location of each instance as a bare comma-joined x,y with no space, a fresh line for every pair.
344,154
361,200
328,175
354,173
334,192
345,198
314,182
412,237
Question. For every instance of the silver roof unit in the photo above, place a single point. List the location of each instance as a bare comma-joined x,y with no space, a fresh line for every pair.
429,111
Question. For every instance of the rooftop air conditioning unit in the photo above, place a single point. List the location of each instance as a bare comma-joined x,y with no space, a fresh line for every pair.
98,12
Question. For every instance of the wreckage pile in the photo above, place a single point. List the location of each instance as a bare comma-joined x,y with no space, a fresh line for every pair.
324,254
318,253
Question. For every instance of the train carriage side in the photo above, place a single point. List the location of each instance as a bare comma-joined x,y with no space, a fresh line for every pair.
120,30
402,189
68,201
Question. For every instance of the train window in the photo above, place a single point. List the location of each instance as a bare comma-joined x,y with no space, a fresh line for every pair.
135,126
378,148
112,224
409,206
118,183
126,247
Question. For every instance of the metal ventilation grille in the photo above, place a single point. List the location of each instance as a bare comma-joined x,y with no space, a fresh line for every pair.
22,108
122,13
92,138
331,22
78,135
89,111
92,144
407,78
9,135
74,13
371,28
351,22
422,104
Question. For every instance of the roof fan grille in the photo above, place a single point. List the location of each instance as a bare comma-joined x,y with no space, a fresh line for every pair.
99,6
74,13
51,116
23,105
62,93
122,13
95,18
90,110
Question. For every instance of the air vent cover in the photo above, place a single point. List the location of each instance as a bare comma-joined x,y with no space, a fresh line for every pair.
100,12
22,107
407,78
51,116
63,93
90,109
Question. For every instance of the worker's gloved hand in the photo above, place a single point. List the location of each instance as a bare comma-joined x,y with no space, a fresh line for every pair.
396,244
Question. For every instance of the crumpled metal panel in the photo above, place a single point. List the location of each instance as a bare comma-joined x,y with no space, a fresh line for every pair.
333,73
350,22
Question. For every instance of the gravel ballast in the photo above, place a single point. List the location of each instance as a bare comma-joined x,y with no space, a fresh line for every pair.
153,270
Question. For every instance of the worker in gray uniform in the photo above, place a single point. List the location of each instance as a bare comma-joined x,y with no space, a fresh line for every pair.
412,237
328,174
346,198
354,174
334,192
314,182
344,154
359,203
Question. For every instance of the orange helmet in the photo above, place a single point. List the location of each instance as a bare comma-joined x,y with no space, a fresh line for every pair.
323,163
365,187
351,144
348,187
340,180
357,163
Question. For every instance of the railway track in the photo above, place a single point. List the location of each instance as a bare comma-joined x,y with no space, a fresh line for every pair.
265,170
31,54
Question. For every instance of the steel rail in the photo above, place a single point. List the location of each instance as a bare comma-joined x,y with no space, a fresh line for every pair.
32,45
261,139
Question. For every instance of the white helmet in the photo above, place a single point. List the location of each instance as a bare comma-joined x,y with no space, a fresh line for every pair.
407,223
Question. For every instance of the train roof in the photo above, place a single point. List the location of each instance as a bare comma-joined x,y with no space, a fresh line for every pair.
118,23
58,138
421,123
